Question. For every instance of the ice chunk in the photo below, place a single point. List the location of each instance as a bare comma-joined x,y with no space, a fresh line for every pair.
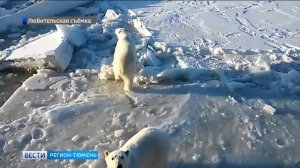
28,104
95,32
269,109
141,28
146,75
263,62
217,51
160,46
51,50
75,138
119,133
285,57
196,157
95,28
73,33
170,74
106,72
150,59
110,16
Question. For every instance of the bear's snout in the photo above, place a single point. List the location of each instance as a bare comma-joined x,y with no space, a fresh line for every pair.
119,166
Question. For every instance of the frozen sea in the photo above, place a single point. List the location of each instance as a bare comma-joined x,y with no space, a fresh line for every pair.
222,78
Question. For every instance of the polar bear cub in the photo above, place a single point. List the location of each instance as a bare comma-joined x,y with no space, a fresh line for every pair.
149,148
124,62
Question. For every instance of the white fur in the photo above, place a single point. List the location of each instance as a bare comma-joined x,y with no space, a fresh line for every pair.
149,148
124,59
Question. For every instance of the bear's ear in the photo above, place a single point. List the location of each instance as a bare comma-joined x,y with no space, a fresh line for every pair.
127,152
106,153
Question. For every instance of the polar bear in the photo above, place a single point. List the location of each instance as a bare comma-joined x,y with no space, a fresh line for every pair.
149,148
124,62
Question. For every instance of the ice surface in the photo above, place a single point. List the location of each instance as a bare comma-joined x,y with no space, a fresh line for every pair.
44,8
222,83
227,25
199,117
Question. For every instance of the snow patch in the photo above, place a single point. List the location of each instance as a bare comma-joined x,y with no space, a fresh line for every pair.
106,72
110,16
160,46
269,109
118,133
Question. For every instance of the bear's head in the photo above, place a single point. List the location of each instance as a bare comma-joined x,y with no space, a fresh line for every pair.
121,33
117,159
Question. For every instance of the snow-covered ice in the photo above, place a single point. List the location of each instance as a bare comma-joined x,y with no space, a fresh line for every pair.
201,118
73,34
44,8
51,50
221,78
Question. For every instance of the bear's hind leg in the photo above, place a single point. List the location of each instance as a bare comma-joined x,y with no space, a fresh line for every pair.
127,83
117,77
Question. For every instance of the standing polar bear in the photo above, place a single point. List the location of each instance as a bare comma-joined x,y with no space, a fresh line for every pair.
124,62
149,148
